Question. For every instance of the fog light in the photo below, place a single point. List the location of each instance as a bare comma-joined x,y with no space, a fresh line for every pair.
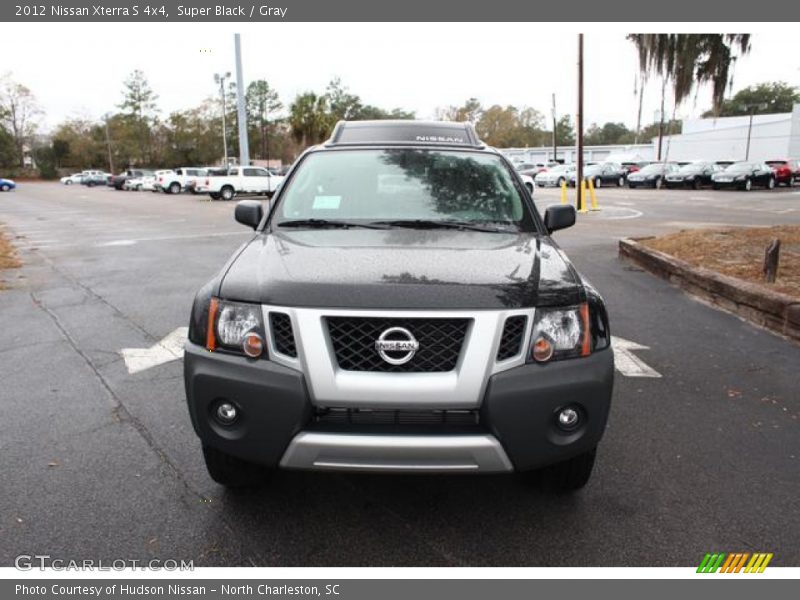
568,419
226,413
253,345
542,350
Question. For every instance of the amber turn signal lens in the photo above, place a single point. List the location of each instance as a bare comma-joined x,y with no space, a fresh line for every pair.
253,345
211,337
542,350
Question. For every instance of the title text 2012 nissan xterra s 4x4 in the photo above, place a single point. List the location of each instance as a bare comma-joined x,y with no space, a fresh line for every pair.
401,307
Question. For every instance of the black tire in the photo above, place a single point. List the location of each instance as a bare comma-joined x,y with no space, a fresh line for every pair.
748,185
68,182
621,182
570,475
695,185
4,188
561,181
232,472
598,183
214,195
174,188
657,183
770,183
631,186
227,193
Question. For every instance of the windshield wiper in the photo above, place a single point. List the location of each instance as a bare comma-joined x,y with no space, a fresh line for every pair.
434,224
328,223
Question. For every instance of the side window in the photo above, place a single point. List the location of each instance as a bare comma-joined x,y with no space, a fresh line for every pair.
251,172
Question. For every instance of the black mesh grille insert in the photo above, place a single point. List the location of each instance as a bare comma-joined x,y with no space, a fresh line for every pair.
282,333
513,332
440,342
355,419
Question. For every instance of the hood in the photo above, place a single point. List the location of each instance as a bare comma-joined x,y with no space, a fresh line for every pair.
402,268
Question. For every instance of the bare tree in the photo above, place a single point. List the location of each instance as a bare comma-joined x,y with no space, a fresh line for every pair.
19,112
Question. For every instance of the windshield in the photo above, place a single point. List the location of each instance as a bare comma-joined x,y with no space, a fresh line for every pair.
740,168
561,169
389,185
654,168
692,168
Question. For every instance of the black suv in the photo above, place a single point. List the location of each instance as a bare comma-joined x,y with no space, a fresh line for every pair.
401,307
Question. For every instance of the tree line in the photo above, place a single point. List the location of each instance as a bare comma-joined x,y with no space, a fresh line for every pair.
136,133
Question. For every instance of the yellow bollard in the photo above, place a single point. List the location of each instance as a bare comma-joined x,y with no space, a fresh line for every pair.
593,196
563,192
582,197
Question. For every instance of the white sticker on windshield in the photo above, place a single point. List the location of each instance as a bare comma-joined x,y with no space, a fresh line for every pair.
326,202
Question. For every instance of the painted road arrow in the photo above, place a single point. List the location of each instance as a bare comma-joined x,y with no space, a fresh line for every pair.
167,350
171,348
627,363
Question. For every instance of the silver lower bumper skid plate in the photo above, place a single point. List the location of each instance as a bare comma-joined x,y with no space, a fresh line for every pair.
396,453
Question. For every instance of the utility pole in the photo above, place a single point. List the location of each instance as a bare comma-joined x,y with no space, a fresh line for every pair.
220,79
752,108
579,136
555,146
661,118
244,146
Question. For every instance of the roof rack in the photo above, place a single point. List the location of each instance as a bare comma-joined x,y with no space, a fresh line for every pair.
416,133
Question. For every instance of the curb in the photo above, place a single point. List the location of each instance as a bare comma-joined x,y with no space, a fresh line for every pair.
773,310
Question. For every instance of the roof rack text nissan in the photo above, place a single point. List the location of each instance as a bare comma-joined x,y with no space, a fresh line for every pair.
400,307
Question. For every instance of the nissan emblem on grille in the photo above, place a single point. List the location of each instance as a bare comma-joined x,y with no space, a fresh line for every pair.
397,341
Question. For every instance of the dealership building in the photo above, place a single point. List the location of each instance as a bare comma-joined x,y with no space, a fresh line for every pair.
724,138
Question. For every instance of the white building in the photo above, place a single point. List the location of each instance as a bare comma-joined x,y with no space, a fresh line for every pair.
725,138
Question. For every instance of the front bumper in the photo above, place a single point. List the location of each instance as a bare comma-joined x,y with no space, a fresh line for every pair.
517,419
729,184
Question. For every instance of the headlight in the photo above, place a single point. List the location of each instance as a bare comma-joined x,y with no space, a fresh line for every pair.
741,178
561,333
235,326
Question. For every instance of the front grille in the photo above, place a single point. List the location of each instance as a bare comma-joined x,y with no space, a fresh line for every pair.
282,334
354,418
511,340
440,343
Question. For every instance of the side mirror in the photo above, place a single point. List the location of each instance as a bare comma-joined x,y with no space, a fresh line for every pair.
249,212
559,217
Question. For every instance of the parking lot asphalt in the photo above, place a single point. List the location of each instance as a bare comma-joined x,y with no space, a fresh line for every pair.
99,463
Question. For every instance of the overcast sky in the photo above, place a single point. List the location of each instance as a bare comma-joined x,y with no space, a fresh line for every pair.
78,69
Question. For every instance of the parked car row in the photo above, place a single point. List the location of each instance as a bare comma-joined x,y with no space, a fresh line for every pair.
217,182
676,175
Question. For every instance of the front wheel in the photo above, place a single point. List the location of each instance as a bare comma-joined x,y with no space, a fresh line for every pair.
771,183
658,183
230,471
748,185
561,182
598,183
620,182
4,188
226,193
175,188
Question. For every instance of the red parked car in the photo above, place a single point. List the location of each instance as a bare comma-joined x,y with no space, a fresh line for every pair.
786,171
